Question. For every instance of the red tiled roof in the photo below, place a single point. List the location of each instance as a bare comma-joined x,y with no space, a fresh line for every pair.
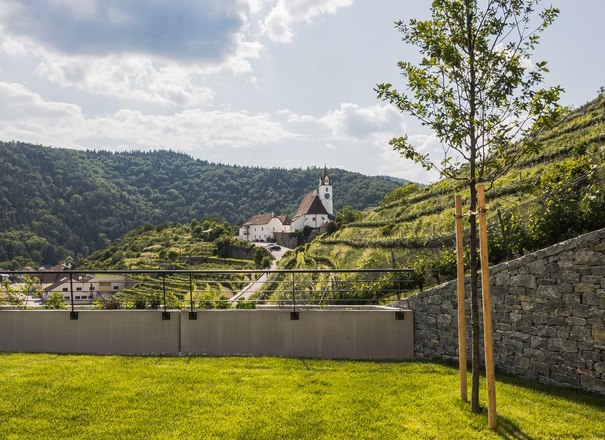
285,220
259,219
263,219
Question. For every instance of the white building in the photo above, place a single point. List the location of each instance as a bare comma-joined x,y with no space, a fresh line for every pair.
315,210
262,227
86,288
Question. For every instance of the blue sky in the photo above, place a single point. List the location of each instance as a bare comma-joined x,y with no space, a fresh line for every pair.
284,83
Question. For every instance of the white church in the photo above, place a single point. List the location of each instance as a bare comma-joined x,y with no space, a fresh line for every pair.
315,210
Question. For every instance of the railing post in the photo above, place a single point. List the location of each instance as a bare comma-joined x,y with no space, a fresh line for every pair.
294,315
192,314
73,314
399,315
165,313
332,289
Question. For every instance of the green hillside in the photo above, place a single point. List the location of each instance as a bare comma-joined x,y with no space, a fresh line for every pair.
548,197
206,245
56,203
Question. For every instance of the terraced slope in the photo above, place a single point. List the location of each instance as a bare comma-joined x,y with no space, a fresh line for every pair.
547,197
193,246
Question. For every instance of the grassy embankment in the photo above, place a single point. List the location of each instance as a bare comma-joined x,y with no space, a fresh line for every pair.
59,396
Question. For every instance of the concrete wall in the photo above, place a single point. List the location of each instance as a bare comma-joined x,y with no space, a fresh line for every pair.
372,334
548,313
95,331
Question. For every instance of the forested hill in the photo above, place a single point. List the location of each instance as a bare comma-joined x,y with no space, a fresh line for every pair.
58,202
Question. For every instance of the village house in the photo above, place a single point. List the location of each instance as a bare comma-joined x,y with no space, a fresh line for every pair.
262,227
315,210
45,277
87,288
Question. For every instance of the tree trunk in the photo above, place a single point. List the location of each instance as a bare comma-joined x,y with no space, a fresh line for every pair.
474,263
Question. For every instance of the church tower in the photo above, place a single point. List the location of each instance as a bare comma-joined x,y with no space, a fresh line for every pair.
325,191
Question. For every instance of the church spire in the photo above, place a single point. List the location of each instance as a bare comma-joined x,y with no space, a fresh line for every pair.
325,178
325,191
325,173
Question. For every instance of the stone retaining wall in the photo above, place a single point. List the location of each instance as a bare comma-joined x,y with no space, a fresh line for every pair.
548,313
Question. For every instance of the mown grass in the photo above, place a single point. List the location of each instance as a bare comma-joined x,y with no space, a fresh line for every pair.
59,396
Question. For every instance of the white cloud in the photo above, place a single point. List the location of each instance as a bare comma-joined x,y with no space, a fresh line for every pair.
11,46
279,24
126,77
26,116
377,123
133,77
256,6
395,165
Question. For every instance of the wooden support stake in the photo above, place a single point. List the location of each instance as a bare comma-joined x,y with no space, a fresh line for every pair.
461,313
487,313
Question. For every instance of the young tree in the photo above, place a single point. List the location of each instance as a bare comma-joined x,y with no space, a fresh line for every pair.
478,89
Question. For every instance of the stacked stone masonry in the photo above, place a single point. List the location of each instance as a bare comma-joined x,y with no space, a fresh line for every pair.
548,315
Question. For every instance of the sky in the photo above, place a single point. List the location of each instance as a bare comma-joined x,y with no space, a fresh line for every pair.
272,83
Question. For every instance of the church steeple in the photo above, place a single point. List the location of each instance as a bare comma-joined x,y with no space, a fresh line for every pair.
325,191
325,178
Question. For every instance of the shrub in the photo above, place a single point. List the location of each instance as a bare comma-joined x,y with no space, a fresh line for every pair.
111,303
262,258
444,265
223,303
332,228
245,305
55,301
206,304
387,229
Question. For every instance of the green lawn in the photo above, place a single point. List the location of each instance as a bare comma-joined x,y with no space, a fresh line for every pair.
57,396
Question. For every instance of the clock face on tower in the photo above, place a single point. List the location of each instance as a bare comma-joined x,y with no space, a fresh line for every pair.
326,196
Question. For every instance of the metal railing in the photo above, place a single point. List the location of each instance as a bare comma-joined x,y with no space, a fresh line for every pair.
163,290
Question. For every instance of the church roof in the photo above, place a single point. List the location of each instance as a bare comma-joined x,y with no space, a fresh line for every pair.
310,204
